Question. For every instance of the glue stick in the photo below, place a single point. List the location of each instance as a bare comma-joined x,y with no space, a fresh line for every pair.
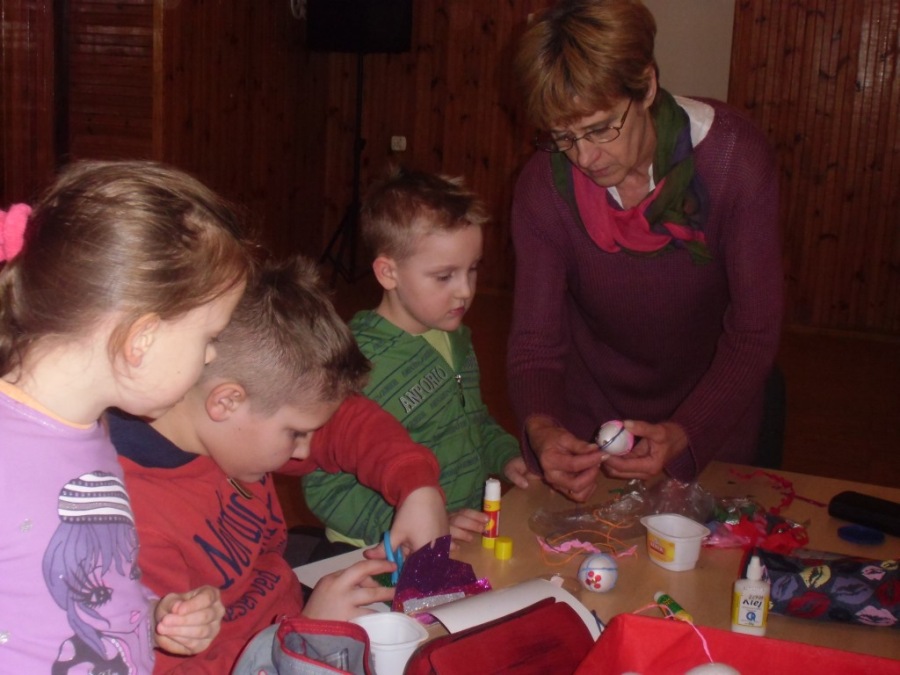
492,511
669,603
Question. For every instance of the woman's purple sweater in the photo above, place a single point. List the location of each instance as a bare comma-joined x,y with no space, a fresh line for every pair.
599,336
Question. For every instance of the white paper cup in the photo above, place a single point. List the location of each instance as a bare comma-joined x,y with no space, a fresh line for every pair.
393,637
673,540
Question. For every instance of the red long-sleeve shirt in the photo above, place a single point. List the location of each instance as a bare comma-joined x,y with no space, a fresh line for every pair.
195,528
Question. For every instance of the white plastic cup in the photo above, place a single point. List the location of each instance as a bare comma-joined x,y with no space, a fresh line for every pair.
673,540
393,637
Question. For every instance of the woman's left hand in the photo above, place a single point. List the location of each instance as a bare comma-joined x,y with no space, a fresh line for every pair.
658,445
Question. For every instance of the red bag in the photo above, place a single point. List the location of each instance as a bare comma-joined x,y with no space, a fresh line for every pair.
300,646
654,646
546,637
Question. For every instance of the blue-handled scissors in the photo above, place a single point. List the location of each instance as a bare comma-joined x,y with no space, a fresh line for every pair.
395,556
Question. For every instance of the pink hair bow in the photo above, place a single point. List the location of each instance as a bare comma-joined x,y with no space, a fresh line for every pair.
12,230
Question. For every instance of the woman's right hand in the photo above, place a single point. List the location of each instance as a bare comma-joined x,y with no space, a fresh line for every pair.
570,464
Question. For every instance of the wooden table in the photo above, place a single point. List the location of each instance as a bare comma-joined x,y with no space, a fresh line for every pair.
705,592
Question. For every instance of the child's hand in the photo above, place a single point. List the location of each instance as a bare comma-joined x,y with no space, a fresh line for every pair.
342,595
467,523
419,520
517,473
186,623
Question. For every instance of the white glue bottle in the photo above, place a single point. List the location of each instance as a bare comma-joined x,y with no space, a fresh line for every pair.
750,602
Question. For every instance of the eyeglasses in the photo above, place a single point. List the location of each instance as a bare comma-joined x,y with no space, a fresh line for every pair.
546,141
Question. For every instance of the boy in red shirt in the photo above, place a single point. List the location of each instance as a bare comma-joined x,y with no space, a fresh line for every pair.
282,394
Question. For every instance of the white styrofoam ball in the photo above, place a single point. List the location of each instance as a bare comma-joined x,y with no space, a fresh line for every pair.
614,439
599,573
713,669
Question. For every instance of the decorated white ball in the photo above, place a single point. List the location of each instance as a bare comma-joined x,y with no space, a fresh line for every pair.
599,572
713,669
614,439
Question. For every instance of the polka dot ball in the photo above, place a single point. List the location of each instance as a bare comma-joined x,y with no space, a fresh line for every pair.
599,573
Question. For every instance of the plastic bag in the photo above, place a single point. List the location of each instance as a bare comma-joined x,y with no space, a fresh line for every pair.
606,525
743,523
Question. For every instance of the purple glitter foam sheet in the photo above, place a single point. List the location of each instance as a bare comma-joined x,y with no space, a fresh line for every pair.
430,578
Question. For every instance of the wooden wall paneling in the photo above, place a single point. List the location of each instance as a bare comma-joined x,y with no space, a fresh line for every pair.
870,158
798,121
110,79
820,78
882,33
237,99
300,151
496,144
826,223
283,154
208,63
867,257
337,140
889,248
820,228
866,96
236,89
27,153
809,216
855,248
387,92
432,85
451,96
789,139
833,95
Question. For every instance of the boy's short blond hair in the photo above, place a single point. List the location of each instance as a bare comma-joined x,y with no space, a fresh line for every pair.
286,344
408,204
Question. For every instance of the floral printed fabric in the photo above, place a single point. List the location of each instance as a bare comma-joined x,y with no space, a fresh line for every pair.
829,587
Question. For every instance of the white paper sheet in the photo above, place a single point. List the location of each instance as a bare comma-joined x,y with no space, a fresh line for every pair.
476,609
310,573
484,607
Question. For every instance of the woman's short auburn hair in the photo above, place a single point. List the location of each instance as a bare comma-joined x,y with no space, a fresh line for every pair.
581,56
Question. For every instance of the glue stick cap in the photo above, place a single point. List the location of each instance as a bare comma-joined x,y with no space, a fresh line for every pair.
503,548
492,490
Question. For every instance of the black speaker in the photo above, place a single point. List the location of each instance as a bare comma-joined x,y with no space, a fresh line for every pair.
359,26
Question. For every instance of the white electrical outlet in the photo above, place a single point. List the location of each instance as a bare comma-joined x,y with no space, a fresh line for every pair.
398,143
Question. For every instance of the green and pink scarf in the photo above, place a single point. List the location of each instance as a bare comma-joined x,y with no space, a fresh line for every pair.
672,216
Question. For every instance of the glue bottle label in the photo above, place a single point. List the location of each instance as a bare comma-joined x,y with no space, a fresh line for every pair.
492,511
491,508
750,609
750,601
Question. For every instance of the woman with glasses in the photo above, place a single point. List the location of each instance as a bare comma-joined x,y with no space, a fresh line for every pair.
648,260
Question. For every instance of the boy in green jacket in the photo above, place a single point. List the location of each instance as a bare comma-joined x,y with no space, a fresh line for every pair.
424,231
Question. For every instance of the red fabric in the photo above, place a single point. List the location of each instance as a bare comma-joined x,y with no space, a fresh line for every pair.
546,637
195,529
362,439
653,646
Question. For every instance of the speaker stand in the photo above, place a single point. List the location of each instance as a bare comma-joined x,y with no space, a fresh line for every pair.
342,248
